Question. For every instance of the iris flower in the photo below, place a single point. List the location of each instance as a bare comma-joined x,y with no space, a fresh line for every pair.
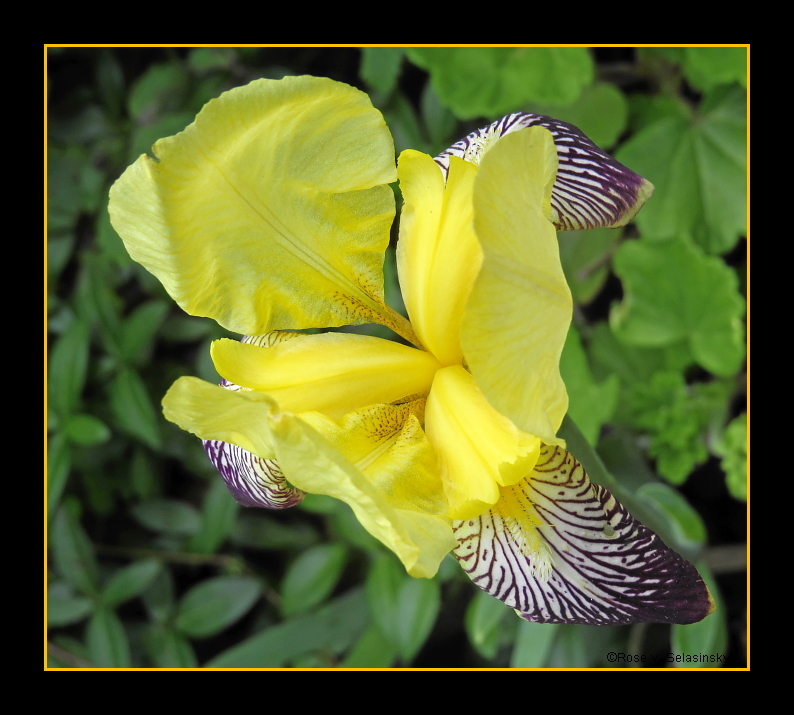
271,214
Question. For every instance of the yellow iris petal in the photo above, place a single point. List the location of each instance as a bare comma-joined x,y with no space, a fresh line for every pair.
332,373
479,449
520,306
438,255
387,444
420,540
270,211
212,412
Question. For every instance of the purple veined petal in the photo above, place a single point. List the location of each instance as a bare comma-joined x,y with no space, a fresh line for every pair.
252,481
559,549
592,190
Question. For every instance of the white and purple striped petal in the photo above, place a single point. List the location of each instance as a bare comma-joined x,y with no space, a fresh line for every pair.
592,190
559,549
252,481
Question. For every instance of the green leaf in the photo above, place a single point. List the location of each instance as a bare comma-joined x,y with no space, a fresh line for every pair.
139,330
311,578
707,67
161,88
384,583
373,650
59,251
586,258
646,109
169,649
251,530
68,364
110,82
492,81
73,552
334,626
85,430
675,421
591,403
96,301
417,609
74,647
63,607
345,524
203,59
533,644
483,621
404,124
159,598
439,121
107,641
601,112
380,67
674,292
59,463
129,582
168,516
732,447
142,474
611,357
215,604
73,186
682,520
217,519
699,168
133,409
577,646
707,638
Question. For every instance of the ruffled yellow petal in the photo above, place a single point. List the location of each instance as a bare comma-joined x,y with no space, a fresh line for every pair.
332,373
387,444
212,412
478,448
270,211
393,490
420,540
438,255
520,307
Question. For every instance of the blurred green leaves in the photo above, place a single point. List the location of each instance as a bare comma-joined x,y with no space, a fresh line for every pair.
492,81
215,604
698,165
675,293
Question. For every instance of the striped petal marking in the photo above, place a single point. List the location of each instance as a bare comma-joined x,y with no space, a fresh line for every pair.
253,481
592,190
559,549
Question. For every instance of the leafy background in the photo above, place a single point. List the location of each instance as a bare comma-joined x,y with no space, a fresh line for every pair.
152,564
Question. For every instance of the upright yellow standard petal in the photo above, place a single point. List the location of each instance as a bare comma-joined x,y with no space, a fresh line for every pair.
332,373
438,255
520,306
420,539
478,448
270,211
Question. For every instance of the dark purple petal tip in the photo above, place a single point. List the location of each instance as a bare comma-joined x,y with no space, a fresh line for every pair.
592,190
